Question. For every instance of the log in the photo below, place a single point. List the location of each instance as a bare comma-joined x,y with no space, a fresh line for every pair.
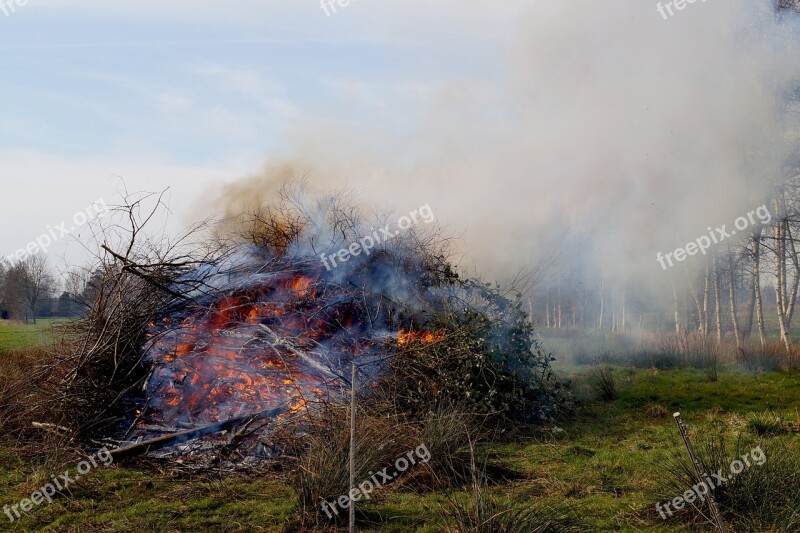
51,428
163,441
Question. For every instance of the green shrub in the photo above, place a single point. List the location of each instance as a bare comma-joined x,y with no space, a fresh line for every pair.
485,358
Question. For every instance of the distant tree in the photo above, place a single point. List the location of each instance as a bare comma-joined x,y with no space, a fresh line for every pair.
27,285
67,305
3,307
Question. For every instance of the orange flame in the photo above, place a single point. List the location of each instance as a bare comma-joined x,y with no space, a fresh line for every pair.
405,338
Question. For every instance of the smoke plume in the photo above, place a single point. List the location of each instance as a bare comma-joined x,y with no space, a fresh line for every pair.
604,132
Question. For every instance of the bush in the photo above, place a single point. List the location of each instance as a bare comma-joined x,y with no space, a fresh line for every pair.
760,498
486,359
603,383
772,357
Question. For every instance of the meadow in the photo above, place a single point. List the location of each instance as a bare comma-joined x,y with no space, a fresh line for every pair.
602,468
16,335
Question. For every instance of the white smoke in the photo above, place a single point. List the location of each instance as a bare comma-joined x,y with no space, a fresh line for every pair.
603,124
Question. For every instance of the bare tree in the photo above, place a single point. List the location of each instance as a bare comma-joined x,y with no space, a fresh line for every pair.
755,287
755,255
676,308
732,298
3,273
706,291
27,284
717,307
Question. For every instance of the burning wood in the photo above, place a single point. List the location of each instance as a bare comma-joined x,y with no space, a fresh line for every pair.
180,345
190,434
279,338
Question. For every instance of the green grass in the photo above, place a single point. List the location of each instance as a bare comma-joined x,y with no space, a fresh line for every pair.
15,335
126,499
603,463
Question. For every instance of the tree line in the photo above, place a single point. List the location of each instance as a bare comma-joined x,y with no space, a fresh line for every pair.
745,288
29,290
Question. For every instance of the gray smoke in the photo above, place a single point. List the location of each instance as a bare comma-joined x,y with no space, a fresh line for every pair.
604,128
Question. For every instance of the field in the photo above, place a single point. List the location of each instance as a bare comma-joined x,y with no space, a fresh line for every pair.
17,335
603,462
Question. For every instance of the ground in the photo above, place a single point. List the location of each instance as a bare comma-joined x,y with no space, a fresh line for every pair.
603,461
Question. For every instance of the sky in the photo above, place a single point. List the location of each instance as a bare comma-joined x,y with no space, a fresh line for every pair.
97,96
533,128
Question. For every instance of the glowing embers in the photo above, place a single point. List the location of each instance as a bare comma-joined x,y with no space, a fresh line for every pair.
273,344
277,341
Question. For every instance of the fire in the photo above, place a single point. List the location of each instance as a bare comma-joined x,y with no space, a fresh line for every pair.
301,286
405,338
275,343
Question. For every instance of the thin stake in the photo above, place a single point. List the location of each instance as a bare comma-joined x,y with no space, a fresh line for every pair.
353,446
700,474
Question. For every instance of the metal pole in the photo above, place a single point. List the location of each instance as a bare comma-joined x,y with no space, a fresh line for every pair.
700,474
353,379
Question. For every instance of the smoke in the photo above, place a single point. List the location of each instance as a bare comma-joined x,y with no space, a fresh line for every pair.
601,131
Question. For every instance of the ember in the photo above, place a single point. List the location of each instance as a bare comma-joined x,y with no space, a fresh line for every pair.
265,341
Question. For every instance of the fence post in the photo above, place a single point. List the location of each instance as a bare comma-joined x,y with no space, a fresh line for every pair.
353,380
700,474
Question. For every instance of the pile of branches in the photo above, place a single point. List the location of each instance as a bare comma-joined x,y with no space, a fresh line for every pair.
488,361
485,357
78,386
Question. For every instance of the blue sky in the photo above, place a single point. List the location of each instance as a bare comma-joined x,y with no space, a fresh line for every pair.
518,122
203,83
193,94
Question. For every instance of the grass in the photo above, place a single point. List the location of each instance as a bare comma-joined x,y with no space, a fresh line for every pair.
15,335
604,463
770,424
604,383
126,499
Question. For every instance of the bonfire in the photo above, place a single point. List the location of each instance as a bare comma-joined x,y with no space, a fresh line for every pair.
181,353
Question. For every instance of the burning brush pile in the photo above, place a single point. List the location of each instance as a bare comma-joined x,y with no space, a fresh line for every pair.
187,351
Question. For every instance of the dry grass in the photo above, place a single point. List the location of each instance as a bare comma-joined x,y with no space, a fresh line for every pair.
481,512
762,497
16,390
666,351
323,472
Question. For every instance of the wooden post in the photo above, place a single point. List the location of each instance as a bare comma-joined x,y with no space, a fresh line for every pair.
354,378
700,474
